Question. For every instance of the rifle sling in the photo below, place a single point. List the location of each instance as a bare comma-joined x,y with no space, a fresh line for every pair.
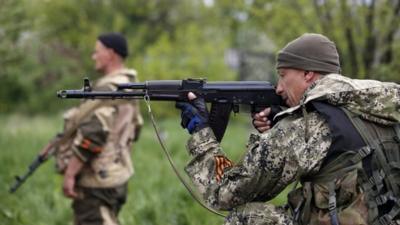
168,155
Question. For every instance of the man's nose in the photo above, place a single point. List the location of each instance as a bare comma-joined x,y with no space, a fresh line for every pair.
279,89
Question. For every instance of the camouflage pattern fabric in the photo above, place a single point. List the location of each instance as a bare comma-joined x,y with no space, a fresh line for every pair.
273,160
258,213
294,147
373,100
99,206
103,140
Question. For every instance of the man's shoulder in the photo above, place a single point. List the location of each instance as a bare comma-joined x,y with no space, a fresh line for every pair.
129,72
121,76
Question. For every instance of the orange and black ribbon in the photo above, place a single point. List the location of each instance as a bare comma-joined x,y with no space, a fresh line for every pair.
88,145
221,162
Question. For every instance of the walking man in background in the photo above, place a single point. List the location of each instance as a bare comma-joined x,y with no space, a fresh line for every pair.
96,162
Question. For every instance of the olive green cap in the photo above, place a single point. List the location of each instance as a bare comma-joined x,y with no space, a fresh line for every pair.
312,52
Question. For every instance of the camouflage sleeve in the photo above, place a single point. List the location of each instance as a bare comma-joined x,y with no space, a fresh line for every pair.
91,138
273,160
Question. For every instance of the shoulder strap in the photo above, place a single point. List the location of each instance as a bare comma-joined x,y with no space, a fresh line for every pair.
371,137
397,130
362,129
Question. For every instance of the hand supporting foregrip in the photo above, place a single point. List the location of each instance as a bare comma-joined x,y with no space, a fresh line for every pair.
194,114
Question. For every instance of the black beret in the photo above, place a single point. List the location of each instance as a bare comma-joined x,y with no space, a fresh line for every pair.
115,41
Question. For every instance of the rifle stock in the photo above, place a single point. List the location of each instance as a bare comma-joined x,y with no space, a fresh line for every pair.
224,96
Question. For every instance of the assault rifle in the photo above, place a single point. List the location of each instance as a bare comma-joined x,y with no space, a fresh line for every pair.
224,96
42,157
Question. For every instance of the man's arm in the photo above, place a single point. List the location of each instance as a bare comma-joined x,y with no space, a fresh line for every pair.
273,160
74,167
88,143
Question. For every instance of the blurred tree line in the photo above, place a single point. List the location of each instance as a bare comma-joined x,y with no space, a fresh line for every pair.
46,45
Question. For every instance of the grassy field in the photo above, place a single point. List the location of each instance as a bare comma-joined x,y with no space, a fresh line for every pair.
155,194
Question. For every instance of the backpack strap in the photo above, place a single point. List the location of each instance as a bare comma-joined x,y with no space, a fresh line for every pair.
391,195
397,130
332,203
362,129
344,163
381,177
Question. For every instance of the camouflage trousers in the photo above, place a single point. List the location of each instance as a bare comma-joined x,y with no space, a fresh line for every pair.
99,206
258,213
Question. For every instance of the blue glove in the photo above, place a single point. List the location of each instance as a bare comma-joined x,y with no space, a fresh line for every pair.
194,115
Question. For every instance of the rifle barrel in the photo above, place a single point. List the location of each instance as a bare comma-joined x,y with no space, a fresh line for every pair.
100,94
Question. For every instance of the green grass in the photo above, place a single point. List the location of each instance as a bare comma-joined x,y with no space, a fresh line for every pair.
155,194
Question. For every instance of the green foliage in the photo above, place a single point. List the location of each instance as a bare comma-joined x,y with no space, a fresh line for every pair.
13,22
364,31
192,49
155,194
46,44
165,44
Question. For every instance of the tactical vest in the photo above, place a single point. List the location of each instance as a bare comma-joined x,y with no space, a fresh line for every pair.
359,181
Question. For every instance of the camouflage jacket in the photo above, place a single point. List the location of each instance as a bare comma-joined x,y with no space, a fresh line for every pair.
103,138
291,149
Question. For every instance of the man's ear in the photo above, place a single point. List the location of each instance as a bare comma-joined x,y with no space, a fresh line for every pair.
309,76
